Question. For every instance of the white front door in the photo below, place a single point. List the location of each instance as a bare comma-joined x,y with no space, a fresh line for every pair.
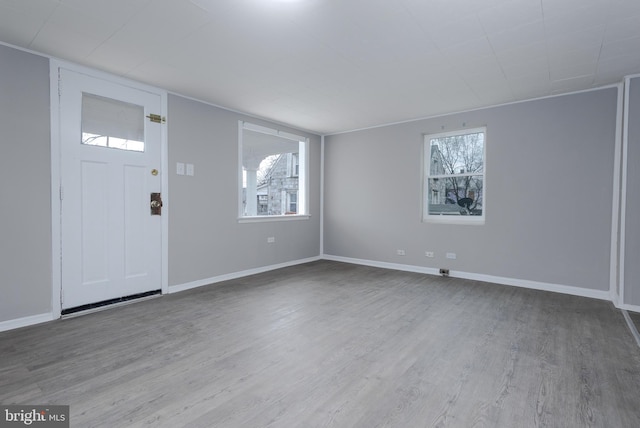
110,163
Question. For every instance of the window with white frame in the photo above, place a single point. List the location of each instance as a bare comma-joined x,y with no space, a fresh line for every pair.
291,202
294,164
273,172
454,182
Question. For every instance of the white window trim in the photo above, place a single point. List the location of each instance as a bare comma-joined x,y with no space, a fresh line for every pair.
426,164
267,218
303,175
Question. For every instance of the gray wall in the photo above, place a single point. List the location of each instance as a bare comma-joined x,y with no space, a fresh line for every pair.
549,180
25,185
205,238
632,221
548,193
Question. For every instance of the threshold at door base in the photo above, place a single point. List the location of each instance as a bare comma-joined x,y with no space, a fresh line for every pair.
106,304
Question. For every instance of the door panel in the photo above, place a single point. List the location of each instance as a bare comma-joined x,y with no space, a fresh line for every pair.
136,210
94,223
111,245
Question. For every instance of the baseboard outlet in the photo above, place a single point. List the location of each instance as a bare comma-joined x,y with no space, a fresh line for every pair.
523,283
26,321
235,275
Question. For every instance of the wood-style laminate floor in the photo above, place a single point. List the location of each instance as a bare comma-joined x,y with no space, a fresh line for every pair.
327,344
635,319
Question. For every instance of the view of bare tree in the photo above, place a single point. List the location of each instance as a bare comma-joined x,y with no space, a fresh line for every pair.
265,167
458,161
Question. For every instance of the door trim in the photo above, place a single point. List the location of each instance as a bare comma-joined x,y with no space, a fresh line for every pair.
56,217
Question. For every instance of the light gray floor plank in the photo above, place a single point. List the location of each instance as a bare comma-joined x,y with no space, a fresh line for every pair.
635,317
328,344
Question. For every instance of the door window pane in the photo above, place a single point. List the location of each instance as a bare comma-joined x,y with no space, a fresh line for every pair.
112,123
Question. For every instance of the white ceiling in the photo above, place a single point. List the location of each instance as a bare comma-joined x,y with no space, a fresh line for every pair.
336,65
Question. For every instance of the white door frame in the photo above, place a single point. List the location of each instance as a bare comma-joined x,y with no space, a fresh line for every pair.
56,218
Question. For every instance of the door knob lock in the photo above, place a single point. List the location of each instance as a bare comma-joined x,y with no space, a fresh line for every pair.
156,204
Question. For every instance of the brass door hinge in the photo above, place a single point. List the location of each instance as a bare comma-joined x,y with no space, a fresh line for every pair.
156,118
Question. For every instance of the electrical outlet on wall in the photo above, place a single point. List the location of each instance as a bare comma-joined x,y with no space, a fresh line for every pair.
400,252
429,254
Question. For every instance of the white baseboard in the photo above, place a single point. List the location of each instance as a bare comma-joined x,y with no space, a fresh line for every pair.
615,299
524,283
384,265
235,275
557,288
26,321
627,307
632,327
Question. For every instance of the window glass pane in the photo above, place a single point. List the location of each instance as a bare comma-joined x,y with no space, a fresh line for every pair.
293,203
271,173
295,167
455,195
273,186
112,123
457,154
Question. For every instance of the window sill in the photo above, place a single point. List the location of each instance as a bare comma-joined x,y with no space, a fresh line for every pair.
267,218
453,219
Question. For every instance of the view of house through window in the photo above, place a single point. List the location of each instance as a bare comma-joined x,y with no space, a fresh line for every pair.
273,172
454,178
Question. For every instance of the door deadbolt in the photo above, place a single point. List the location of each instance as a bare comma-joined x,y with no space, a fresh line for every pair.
156,204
